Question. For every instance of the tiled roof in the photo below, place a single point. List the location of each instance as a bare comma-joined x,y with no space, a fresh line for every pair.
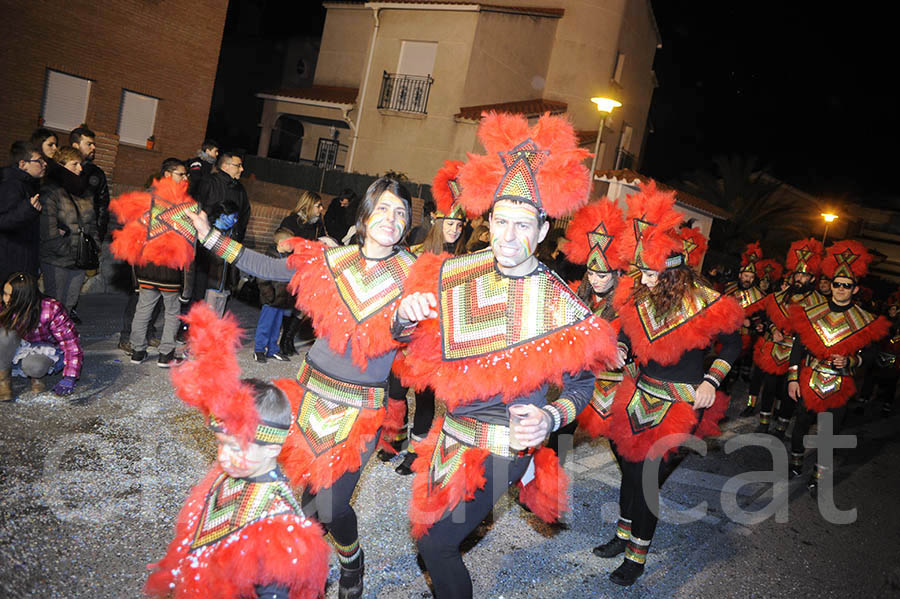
527,108
586,136
540,11
629,176
319,93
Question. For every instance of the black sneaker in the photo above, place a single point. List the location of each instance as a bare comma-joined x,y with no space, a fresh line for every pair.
405,467
181,335
280,357
615,546
260,357
169,359
138,356
626,574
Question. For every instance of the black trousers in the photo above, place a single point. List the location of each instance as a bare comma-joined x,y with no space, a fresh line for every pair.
439,547
637,503
805,419
424,415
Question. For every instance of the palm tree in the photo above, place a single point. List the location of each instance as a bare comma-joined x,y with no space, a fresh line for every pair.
758,213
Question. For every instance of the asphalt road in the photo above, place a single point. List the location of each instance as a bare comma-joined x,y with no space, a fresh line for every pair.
91,486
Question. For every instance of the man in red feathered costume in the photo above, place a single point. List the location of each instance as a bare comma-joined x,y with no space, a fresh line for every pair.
749,296
489,331
668,320
834,338
773,351
240,533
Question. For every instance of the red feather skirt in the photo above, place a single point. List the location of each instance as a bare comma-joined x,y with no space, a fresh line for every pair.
822,392
648,427
772,357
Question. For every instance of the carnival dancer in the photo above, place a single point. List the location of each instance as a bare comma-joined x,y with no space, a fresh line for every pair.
240,533
489,332
773,351
351,293
593,238
445,236
749,296
835,337
668,319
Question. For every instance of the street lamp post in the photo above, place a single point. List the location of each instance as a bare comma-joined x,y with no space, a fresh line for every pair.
605,106
829,218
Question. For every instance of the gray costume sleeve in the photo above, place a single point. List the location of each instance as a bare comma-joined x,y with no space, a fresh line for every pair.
246,260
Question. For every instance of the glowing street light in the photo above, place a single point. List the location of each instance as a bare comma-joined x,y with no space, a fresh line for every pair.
829,218
605,106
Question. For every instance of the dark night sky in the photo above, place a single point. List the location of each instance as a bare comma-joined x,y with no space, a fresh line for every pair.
802,87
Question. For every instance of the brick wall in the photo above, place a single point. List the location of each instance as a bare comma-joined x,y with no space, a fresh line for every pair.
167,49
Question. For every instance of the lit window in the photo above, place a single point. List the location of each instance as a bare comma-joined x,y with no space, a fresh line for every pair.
137,117
65,100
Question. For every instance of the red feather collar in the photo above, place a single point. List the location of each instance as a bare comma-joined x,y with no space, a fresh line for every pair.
826,333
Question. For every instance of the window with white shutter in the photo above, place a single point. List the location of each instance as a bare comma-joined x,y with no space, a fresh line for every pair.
137,116
65,100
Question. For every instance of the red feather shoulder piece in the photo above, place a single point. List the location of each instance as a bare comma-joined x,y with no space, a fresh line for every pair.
156,227
350,301
825,333
694,326
433,358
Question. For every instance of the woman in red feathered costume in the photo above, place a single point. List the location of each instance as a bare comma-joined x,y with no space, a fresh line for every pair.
835,337
240,533
490,331
340,397
668,320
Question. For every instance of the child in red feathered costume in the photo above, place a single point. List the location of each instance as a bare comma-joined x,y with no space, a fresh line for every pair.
668,319
834,338
489,331
772,352
240,533
340,397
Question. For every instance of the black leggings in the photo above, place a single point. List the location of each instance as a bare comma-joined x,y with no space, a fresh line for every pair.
331,506
636,503
804,421
424,415
439,548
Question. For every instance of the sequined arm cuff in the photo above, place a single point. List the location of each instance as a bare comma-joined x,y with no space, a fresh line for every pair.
224,247
562,412
717,372
402,330
793,374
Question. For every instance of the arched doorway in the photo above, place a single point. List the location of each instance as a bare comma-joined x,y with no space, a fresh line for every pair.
287,138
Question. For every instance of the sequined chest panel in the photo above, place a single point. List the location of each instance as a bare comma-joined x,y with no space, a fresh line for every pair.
233,503
746,297
483,311
834,327
367,286
692,304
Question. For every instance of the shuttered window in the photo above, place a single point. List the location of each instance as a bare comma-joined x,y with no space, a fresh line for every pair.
65,100
137,117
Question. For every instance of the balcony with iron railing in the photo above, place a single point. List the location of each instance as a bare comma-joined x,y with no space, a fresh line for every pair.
405,93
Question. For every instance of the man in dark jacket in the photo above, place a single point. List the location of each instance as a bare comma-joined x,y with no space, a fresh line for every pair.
225,201
20,211
96,187
200,166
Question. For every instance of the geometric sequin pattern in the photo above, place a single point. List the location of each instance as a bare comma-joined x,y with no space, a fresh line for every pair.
691,305
164,216
233,503
652,400
367,289
521,163
445,461
604,392
324,423
482,311
825,383
833,327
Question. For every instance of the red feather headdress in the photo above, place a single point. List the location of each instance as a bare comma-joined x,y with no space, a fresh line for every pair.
445,190
156,227
594,235
652,238
751,258
211,379
804,255
769,269
848,259
693,245
541,165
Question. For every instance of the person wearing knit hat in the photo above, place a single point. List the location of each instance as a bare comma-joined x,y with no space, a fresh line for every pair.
749,296
240,533
489,331
669,317
445,236
340,400
834,338
772,353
